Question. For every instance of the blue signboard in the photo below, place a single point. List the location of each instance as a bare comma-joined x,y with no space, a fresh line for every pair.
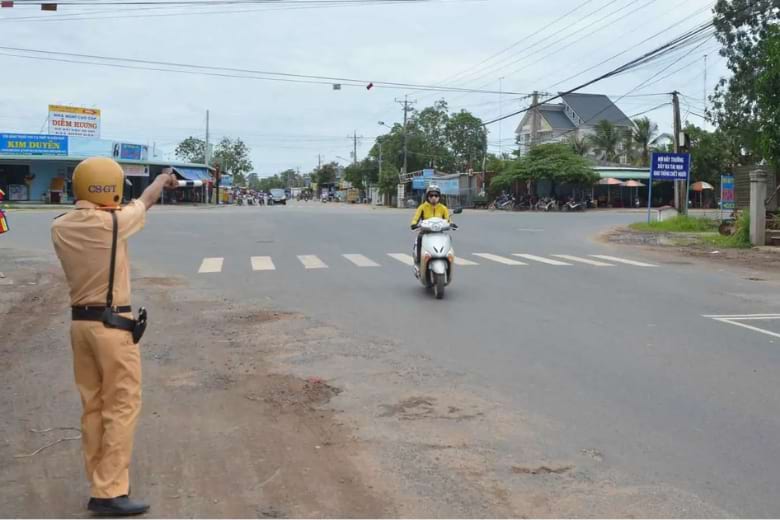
727,199
33,144
670,166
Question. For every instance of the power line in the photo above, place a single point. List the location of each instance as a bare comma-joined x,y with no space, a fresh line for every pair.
241,73
679,42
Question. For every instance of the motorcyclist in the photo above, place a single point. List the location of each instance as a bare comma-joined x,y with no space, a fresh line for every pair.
430,208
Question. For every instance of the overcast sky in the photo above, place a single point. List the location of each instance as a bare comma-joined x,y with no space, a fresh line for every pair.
288,124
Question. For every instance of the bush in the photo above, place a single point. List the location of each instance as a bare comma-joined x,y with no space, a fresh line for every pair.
740,239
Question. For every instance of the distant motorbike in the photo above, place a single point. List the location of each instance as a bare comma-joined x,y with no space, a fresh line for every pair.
437,257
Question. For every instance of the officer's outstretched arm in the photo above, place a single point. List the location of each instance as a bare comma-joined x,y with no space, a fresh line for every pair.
151,195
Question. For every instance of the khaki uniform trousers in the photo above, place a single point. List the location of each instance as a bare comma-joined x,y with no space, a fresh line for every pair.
107,366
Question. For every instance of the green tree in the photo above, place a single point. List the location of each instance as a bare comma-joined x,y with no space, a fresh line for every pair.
580,144
740,105
253,181
192,150
467,139
606,139
290,178
712,154
233,157
363,171
269,183
768,96
326,174
555,162
388,180
645,136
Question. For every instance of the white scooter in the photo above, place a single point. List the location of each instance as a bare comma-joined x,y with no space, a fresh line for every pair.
437,257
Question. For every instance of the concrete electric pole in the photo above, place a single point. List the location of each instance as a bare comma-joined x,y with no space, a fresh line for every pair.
406,104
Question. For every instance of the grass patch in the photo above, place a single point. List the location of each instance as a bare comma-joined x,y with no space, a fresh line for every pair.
680,223
739,240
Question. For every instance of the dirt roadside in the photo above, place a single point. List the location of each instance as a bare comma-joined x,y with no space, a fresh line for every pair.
220,434
684,247
252,412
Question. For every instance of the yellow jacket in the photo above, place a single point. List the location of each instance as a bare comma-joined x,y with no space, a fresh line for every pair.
426,211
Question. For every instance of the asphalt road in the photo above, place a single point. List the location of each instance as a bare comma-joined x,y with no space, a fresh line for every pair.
619,357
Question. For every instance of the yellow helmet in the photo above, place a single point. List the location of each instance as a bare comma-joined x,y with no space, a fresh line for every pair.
99,180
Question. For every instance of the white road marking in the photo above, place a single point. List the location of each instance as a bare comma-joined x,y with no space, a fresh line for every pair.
312,262
540,259
463,261
402,257
744,316
262,263
361,261
749,327
584,260
499,259
211,265
623,261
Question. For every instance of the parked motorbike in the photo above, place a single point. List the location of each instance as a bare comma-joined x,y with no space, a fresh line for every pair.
547,204
572,205
437,257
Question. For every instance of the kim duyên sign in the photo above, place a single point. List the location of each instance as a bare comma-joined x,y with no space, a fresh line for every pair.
33,144
670,166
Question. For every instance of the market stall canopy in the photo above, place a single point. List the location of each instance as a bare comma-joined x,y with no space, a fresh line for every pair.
633,184
701,186
192,174
610,182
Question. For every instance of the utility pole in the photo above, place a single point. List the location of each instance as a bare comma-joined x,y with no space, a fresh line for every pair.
534,119
680,187
705,84
500,114
406,103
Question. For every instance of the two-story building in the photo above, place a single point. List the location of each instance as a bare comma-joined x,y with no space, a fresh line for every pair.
576,115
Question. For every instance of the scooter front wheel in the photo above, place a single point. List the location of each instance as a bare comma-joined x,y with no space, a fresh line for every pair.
438,285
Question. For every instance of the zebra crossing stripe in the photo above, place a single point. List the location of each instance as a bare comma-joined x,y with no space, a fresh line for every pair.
623,261
463,261
211,265
499,259
581,260
540,259
262,263
401,257
312,262
360,260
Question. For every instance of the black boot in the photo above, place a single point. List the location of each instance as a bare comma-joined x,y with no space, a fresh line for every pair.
119,506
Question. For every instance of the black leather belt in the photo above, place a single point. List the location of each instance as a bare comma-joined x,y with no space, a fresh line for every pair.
94,312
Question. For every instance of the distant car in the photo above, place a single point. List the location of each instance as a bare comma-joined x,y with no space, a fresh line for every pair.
278,196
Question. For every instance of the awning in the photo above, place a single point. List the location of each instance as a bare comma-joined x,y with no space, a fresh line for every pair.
192,174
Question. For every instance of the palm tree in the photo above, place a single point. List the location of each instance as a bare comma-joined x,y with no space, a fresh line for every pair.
628,145
606,139
580,144
646,138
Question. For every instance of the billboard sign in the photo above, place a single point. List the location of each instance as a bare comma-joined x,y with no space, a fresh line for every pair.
74,121
727,198
130,152
33,144
135,170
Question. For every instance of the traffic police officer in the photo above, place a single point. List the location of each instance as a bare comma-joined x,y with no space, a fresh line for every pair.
91,243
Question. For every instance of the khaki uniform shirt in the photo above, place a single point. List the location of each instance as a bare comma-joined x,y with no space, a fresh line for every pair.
82,240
